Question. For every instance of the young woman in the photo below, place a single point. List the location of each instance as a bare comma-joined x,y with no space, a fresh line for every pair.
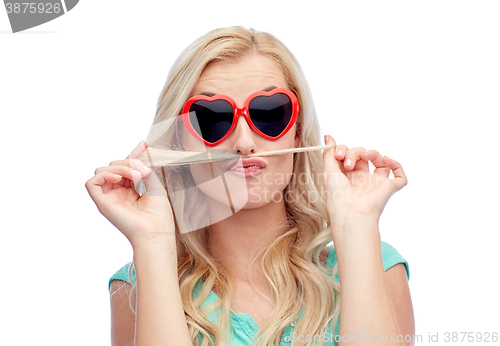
263,274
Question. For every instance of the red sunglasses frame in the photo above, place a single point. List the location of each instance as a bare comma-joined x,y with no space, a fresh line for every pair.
184,116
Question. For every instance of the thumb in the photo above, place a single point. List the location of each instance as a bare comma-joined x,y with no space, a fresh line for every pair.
153,184
330,163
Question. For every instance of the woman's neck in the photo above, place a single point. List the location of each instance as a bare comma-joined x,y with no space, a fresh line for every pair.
235,240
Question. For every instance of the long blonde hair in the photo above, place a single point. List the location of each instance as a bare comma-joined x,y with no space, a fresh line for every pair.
292,263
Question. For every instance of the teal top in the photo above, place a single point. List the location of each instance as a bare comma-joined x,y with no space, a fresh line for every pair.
244,328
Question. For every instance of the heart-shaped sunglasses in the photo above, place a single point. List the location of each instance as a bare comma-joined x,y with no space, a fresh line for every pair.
212,119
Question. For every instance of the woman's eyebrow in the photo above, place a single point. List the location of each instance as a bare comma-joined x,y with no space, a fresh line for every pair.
208,94
269,88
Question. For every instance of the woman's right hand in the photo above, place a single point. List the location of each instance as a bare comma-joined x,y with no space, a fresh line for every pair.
140,218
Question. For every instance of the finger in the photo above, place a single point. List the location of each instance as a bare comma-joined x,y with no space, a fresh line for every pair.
340,155
382,172
330,163
361,165
108,185
377,161
121,183
127,173
136,164
340,152
352,157
152,183
138,150
140,166
95,184
399,175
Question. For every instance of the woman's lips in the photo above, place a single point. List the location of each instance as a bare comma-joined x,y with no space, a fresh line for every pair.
249,170
250,166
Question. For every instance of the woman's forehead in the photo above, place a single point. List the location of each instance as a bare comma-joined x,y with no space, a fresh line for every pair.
244,76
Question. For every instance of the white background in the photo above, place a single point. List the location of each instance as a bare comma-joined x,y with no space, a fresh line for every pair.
419,82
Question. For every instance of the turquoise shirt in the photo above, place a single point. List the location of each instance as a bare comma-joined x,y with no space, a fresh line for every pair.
244,328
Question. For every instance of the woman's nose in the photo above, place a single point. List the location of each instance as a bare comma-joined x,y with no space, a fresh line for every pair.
243,137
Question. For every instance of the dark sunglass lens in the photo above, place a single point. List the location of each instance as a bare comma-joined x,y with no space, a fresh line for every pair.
271,114
211,119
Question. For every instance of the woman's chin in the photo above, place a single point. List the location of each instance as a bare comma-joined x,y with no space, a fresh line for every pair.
247,201
262,198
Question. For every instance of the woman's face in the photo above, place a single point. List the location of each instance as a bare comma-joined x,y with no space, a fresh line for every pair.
238,80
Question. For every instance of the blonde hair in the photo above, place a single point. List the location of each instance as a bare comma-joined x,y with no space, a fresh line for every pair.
292,262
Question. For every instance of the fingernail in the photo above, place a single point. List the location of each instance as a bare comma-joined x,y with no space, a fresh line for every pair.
340,152
139,143
324,139
348,162
136,173
147,169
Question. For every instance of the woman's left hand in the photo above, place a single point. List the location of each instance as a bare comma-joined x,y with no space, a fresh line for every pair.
351,191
